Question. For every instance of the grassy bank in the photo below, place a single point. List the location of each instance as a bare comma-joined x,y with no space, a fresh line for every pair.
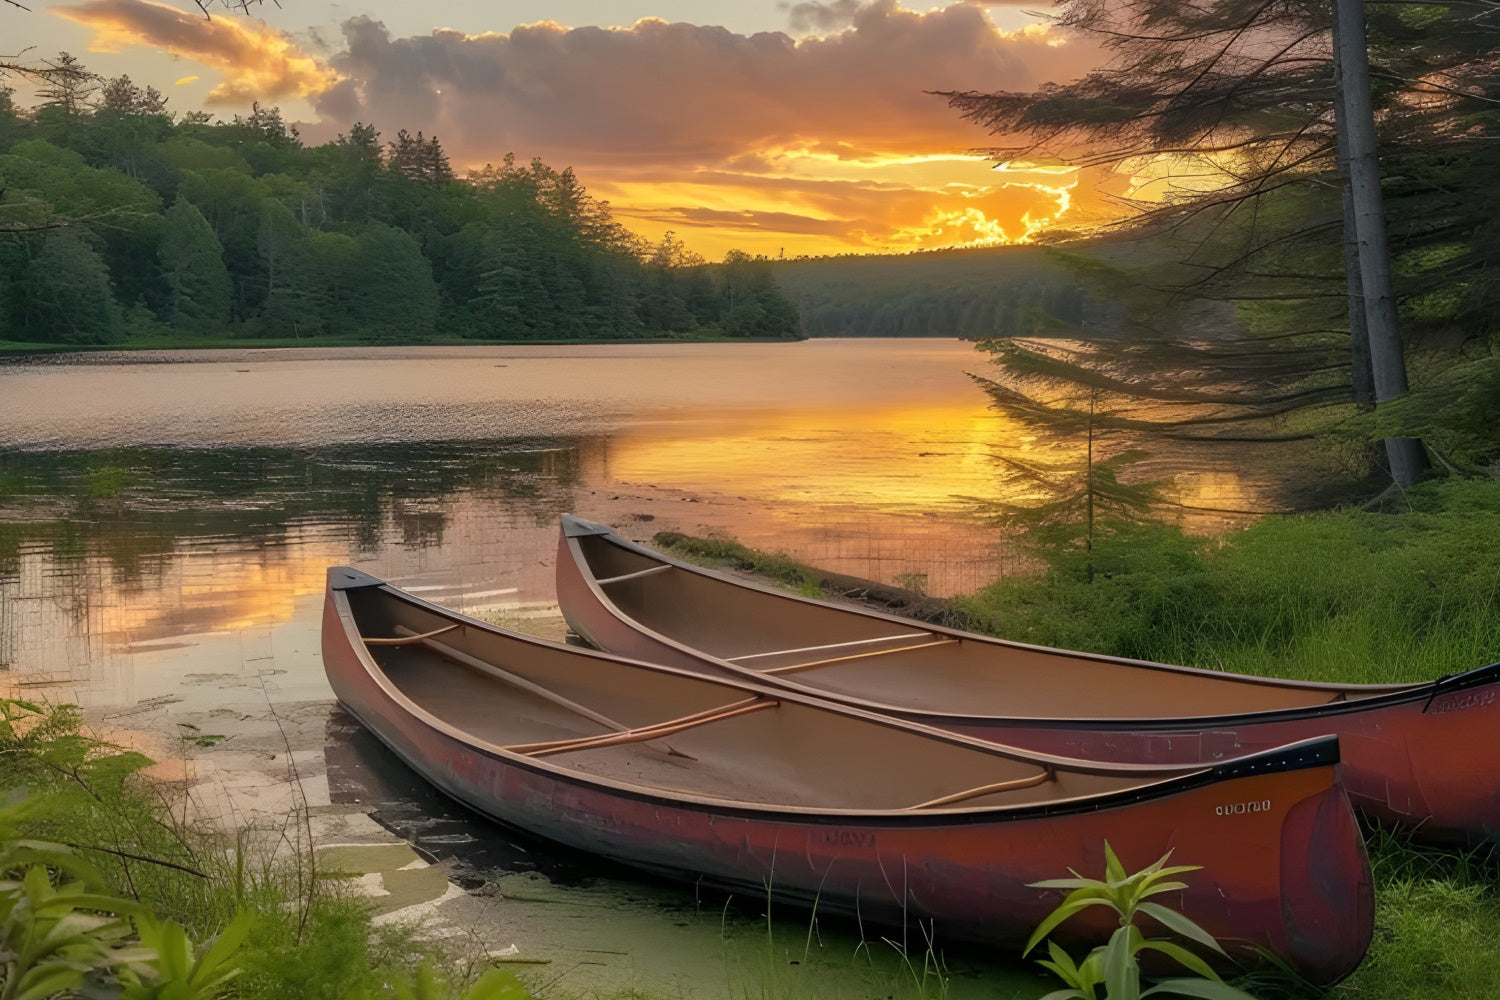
1352,596
304,933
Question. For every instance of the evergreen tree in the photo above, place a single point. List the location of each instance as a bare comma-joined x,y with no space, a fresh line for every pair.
350,238
123,97
512,298
396,296
68,87
325,272
1064,486
1243,91
278,236
755,306
354,170
192,265
66,296
419,159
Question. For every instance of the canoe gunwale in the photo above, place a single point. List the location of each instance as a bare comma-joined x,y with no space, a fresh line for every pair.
1314,752
1380,696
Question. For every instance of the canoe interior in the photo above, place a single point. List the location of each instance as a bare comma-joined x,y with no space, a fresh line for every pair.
971,676
788,755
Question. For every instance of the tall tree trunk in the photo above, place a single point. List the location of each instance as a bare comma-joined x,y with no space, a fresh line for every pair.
1354,108
1361,378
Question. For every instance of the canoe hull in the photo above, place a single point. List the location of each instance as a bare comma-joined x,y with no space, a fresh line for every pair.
1420,757
1284,867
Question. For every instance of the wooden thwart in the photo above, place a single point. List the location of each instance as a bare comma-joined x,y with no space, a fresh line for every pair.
833,645
645,732
638,573
516,680
794,667
412,639
982,790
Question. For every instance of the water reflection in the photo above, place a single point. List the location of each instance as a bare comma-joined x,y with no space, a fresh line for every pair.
863,458
914,461
179,543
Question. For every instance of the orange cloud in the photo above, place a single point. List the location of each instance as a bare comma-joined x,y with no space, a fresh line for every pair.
827,141
257,61
685,93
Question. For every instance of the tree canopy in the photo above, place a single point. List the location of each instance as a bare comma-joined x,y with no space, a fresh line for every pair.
238,229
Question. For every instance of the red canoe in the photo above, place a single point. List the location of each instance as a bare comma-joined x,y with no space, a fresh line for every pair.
748,787
1420,755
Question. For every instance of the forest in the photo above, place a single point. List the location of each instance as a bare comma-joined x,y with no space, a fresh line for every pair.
970,293
121,221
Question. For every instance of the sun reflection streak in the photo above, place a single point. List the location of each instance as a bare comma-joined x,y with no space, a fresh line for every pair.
824,455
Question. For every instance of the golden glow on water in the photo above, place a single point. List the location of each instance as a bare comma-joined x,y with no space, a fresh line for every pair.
238,594
913,461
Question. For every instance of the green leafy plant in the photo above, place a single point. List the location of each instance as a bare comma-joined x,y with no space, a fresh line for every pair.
52,936
175,971
1115,966
58,936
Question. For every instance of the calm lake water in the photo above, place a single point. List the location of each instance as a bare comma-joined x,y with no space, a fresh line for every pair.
166,519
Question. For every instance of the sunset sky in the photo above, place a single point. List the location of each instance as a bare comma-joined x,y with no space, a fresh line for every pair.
774,127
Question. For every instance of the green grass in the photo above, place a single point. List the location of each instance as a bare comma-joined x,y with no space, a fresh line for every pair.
1437,917
1349,596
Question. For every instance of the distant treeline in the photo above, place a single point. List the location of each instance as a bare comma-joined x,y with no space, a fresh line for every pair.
975,293
118,220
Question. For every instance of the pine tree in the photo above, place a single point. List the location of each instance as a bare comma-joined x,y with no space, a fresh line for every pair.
396,296
66,295
192,263
1064,487
123,97
419,159
1244,91
68,87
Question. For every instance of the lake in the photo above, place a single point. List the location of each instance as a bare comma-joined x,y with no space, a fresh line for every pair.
166,520
152,497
